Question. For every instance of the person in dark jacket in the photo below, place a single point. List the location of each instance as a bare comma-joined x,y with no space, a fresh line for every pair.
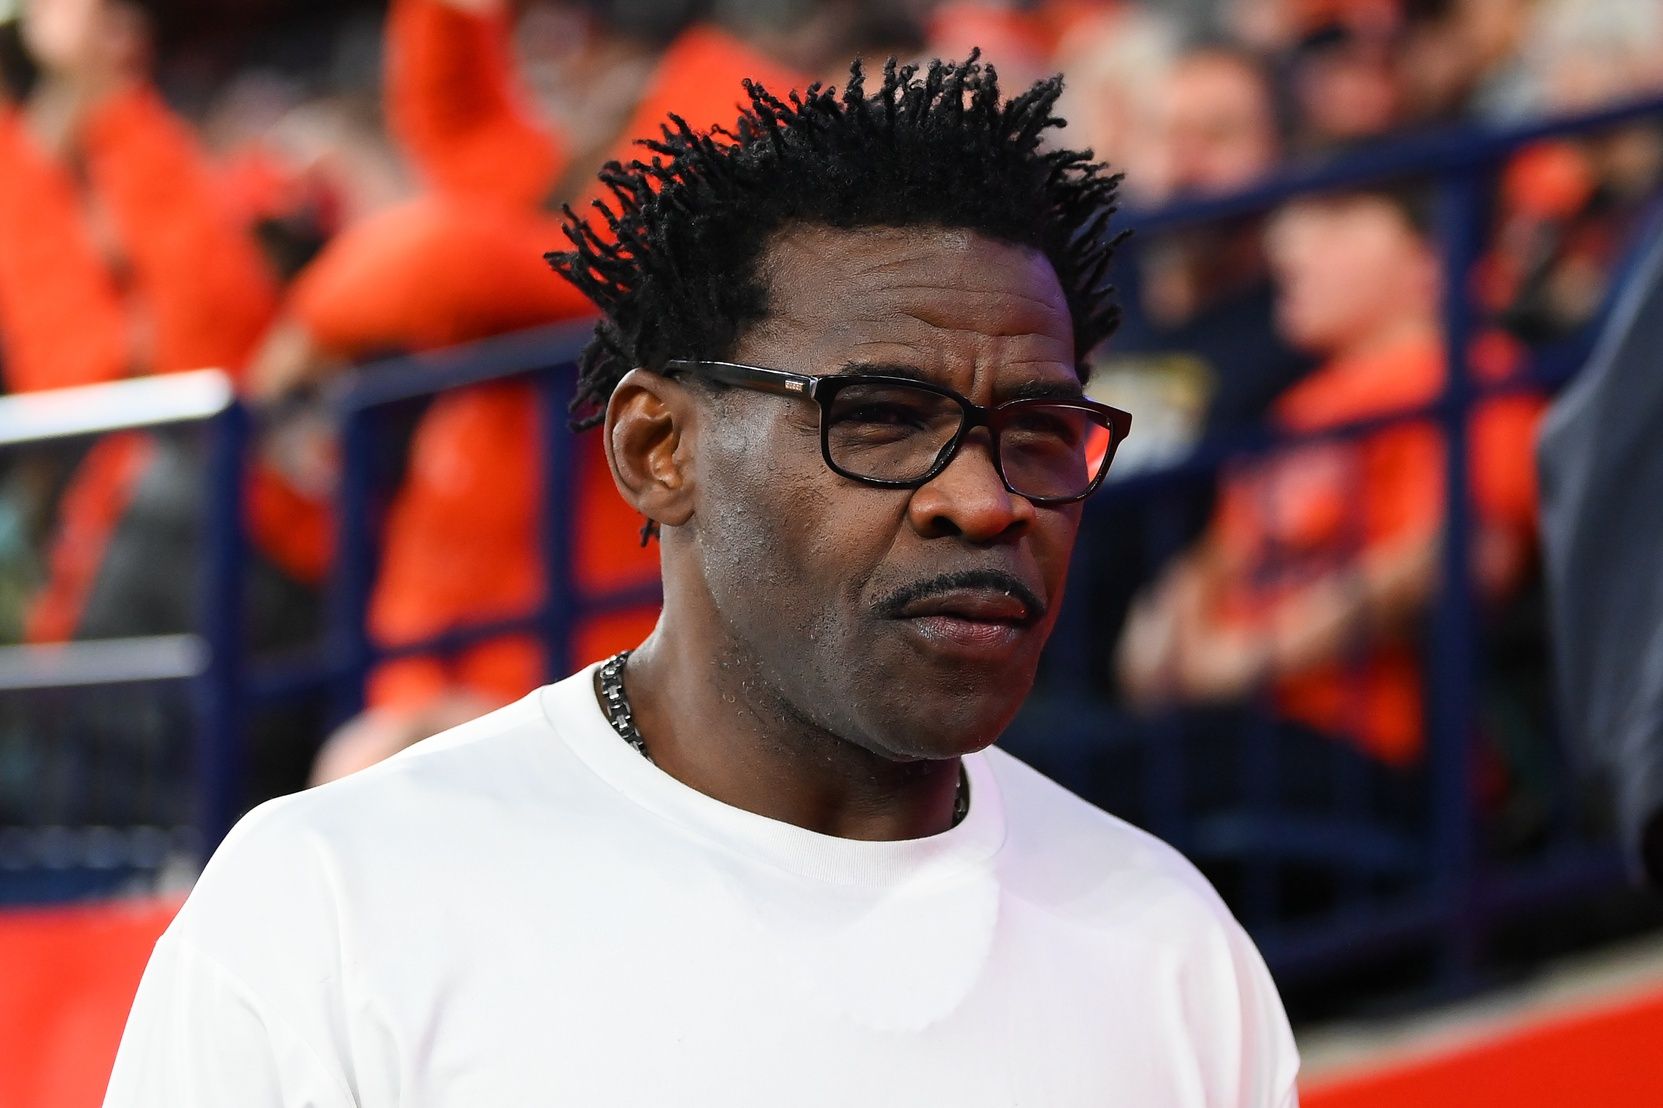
1601,460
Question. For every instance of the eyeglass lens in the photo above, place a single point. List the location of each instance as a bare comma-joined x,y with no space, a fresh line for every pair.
888,432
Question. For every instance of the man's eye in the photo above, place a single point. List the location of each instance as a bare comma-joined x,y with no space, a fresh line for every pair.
882,415
1065,427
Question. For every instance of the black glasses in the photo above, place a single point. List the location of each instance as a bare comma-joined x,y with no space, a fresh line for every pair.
898,433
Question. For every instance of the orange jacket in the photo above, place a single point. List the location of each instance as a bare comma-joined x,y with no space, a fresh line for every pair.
204,288
63,320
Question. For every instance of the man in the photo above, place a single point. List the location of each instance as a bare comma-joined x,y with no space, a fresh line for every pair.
766,858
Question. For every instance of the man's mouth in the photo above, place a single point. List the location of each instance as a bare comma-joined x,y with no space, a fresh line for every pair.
971,606
979,611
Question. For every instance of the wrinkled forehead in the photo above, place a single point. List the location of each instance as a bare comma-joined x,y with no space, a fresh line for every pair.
971,312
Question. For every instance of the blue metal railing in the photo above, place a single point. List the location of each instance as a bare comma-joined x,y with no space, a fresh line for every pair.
1453,896
544,358
207,663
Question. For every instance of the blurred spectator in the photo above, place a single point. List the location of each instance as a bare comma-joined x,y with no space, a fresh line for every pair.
146,269
1114,63
1201,298
121,255
1197,354
1345,78
1218,125
1322,556
302,168
1568,211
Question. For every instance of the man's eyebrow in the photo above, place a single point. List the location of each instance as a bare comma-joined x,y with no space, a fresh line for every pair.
1041,389
884,369
1038,388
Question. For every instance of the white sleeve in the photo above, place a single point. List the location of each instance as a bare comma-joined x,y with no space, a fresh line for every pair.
1270,1062
197,1037
1244,1045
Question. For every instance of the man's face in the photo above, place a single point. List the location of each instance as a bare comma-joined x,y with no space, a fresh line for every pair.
839,596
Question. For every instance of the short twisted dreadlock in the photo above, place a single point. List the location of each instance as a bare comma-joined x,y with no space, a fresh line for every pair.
674,270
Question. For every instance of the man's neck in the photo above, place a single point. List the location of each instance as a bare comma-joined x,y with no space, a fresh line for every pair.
720,730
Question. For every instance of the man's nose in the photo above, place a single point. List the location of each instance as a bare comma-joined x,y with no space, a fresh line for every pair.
969,499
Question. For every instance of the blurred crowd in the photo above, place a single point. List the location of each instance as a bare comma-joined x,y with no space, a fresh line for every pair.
288,194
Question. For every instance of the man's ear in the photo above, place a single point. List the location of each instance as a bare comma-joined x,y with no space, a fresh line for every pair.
649,426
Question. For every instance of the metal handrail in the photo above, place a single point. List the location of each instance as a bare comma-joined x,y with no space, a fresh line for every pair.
102,662
503,357
211,661
137,403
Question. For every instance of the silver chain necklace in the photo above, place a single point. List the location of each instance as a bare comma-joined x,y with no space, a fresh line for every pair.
615,702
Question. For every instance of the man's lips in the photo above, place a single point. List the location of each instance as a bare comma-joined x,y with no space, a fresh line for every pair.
980,612
971,606
974,595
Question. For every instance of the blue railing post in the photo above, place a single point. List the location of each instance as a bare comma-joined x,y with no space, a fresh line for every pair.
220,703
355,563
558,520
1461,218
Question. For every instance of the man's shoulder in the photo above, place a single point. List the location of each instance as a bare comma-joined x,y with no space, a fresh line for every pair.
1073,857
485,754
296,853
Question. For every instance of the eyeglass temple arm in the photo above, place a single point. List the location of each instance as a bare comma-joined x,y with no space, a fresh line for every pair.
747,376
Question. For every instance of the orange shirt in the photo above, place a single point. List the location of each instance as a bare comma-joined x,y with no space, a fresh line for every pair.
1298,515
198,292
62,316
462,114
700,78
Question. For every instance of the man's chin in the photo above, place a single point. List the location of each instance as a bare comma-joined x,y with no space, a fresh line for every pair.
950,728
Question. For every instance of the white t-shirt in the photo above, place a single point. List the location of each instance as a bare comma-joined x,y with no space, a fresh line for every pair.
524,911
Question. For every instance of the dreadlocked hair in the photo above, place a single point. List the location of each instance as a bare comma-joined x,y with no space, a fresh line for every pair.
673,262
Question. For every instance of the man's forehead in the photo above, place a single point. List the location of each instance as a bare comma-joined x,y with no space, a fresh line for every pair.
925,298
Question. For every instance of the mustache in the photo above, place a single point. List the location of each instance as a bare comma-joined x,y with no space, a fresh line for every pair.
891,606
